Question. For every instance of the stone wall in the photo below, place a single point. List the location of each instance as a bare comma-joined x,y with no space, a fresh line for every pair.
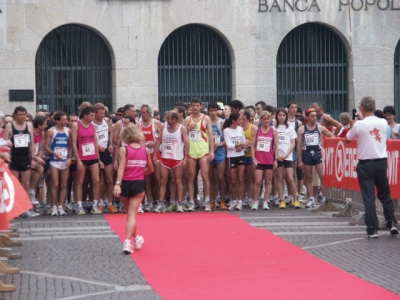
253,29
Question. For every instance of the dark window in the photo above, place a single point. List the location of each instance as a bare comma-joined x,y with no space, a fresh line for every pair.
397,81
73,65
194,61
312,67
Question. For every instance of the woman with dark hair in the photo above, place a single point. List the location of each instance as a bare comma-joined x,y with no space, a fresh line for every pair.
235,144
287,140
390,113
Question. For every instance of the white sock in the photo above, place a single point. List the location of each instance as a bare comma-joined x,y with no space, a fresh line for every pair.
312,198
127,241
95,202
79,203
101,202
240,201
207,199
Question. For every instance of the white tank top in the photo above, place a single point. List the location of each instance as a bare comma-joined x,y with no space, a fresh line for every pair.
172,144
102,133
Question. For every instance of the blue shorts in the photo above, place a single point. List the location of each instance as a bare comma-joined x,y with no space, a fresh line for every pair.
312,158
105,158
217,161
248,161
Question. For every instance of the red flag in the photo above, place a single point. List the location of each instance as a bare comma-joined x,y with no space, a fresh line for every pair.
14,201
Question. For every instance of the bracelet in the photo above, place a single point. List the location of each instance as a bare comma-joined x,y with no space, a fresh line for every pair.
118,182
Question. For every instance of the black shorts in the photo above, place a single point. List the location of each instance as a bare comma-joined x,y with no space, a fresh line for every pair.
300,174
20,164
131,188
236,161
286,164
105,158
90,162
72,167
264,167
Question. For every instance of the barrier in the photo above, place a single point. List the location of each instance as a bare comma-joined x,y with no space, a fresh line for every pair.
340,176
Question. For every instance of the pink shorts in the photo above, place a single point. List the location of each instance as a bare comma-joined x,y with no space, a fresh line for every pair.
170,163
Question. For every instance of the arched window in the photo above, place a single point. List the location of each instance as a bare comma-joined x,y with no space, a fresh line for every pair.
312,67
397,81
194,61
73,64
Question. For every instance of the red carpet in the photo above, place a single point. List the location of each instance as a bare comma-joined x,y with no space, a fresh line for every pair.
220,256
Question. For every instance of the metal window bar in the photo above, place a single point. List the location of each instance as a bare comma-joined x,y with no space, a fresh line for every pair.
73,65
194,61
312,67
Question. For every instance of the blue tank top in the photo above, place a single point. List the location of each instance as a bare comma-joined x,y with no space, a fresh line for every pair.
311,139
218,139
59,144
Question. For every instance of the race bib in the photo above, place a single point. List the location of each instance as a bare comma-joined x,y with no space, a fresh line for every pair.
169,148
194,135
88,149
311,139
217,139
63,152
102,136
21,140
237,140
263,144
284,137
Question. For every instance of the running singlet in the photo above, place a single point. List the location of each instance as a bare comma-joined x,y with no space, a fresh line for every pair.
59,144
249,136
102,133
311,139
21,142
286,135
136,162
149,132
264,152
86,146
198,140
172,144
218,139
37,139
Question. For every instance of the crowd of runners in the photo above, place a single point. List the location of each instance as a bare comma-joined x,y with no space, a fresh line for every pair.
247,156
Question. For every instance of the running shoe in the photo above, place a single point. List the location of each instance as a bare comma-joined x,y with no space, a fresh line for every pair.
171,207
111,209
160,208
95,211
321,199
212,205
310,203
239,206
54,211
276,201
232,205
101,208
179,207
393,228
61,211
140,209
68,207
30,214
207,206
80,211
289,199
139,240
191,206
148,207
296,204
265,205
282,204
127,248
255,205
222,205
372,234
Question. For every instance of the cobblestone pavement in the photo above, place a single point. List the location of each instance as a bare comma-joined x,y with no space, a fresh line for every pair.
79,257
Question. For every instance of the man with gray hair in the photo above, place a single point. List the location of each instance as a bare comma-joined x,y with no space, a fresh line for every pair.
372,167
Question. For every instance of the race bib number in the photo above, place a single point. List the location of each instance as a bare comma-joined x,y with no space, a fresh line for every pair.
194,135
236,140
63,152
88,149
217,139
102,136
311,139
284,138
21,140
263,144
169,148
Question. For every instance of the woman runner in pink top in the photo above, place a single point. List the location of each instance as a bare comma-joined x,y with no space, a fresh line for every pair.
265,154
134,164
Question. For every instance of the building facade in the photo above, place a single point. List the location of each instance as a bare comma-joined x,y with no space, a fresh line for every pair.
54,54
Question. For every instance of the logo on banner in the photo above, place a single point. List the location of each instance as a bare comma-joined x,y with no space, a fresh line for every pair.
339,158
8,196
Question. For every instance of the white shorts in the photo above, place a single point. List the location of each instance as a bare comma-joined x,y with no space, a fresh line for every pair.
61,165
